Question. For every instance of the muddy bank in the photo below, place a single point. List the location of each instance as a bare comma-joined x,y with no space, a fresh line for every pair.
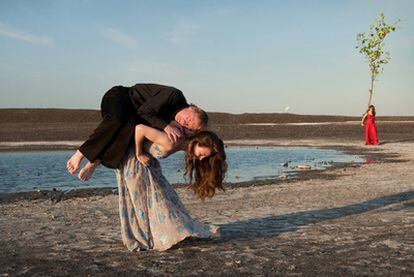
358,223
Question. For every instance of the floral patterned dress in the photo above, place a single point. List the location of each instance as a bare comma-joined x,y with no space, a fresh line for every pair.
152,214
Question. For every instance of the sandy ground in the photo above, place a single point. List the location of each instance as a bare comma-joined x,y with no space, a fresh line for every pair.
360,222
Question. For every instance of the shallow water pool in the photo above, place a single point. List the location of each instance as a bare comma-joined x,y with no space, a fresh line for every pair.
26,171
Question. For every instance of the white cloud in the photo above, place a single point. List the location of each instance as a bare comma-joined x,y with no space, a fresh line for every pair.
10,32
119,37
181,33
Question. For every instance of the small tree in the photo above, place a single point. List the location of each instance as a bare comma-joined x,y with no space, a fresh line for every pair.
372,46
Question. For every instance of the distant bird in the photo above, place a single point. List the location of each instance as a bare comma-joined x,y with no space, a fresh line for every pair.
287,109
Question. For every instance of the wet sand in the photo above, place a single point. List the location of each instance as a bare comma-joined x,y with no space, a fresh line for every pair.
356,220
353,220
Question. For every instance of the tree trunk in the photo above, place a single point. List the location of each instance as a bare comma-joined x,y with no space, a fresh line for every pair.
371,90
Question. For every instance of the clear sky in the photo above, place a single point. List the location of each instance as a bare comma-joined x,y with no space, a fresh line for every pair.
226,56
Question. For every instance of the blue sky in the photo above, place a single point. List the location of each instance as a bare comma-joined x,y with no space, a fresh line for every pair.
226,56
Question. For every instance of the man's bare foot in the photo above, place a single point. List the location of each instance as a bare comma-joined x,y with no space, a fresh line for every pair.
87,171
74,162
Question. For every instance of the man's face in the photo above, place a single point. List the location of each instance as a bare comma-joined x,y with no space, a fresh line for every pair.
188,118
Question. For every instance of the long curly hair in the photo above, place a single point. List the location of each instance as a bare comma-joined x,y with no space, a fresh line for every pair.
206,175
373,109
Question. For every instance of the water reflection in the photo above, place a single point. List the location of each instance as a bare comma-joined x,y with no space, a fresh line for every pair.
23,171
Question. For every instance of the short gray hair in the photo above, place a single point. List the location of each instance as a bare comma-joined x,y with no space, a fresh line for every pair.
202,115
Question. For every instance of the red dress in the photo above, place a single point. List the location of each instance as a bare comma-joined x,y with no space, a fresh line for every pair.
371,137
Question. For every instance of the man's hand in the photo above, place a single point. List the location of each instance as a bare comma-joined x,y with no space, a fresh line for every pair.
173,132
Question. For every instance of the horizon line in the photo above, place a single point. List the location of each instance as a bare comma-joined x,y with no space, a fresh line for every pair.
230,113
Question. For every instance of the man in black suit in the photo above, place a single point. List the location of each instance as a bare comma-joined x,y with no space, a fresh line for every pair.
124,107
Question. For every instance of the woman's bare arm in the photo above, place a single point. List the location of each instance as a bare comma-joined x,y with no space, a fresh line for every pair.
156,136
363,119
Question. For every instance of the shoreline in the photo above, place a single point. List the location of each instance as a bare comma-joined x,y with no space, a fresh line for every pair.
345,220
370,153
22,146
354,221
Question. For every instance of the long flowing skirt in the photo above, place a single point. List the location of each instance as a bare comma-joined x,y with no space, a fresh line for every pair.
371,135
152,214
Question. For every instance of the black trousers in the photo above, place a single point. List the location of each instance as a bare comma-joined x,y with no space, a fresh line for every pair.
114,134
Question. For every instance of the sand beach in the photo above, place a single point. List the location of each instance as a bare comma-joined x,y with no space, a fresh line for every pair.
349,220
301,112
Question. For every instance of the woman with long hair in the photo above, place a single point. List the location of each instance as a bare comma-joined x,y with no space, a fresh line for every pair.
371,135
152,215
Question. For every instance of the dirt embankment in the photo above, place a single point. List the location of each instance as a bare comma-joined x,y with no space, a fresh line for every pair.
77,125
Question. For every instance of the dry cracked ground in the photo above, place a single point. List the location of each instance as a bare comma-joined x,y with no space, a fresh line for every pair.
360,223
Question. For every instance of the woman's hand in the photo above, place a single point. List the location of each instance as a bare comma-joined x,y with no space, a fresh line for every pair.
143,158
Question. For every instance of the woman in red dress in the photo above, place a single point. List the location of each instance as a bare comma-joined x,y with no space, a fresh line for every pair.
371,137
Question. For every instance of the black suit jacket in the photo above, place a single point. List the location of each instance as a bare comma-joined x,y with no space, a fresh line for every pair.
157,104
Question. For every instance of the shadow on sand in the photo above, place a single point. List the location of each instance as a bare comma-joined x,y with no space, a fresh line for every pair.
275,225
396,141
